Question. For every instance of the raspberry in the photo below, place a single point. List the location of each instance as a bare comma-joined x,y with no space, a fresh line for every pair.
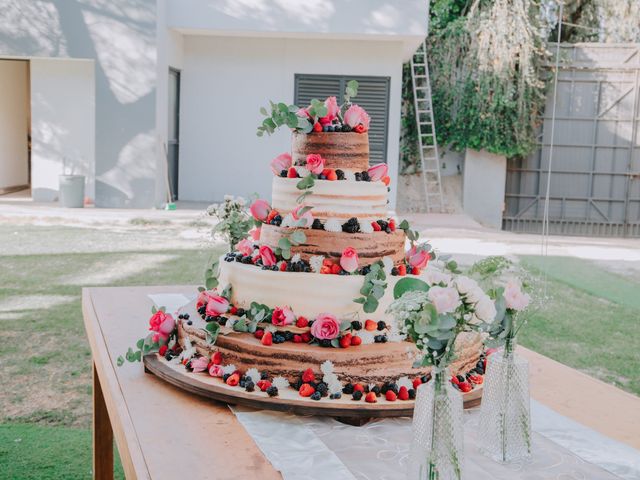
292,173
370,325
263,385
465,387
267,338
403,393
297,339
216,358
163,350
283,267
306,337
370,398
306,390
335,269
258,334
317,127
417,382
302,322
233,310
376,226
233,380
358,388
386,180
415,271
345,341
308,376
392,225
390,396
356,340
402,270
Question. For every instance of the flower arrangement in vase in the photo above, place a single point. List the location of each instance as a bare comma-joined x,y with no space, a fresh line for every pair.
234,222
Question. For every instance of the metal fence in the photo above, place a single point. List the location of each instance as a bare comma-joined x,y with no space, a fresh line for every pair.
595,174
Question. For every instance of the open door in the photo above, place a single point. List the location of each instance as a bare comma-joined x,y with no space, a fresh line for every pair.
174,131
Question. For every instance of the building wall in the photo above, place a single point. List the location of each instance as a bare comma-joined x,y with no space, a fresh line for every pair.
14,119
120,36
225,80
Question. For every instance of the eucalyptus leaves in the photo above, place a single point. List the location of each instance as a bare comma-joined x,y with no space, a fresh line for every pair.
373,288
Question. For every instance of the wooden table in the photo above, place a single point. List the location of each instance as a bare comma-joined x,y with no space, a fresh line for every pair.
162,432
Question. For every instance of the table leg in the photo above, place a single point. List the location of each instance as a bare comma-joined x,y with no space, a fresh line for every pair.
102,434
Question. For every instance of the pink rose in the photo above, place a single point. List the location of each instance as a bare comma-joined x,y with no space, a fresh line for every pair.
245,246
315,163
355,116
332,111
325,327
306,216
217,305
282,316
163,324
255,234
260,210
267,256
203,297
418,257
377,172
349,259
199,364
281,162
216,371
445,299
303,112
514,297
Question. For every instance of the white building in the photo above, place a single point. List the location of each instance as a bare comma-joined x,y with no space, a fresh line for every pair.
105,87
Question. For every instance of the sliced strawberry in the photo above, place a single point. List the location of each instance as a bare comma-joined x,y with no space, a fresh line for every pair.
317,127
392,225
390,396
332,176
327,262
386,180
267,339
454,379
465,387
263,385
415,271
477,379
403,393
306,390
306,337
308,376
216,358
283,266
233,380
325,270
370,398
163,350
376,226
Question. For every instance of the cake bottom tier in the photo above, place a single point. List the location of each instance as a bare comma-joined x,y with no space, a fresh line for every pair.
367,364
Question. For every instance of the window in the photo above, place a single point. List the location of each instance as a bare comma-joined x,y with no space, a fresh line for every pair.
373,96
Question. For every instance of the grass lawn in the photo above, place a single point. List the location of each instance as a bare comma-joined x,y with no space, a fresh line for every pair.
591,323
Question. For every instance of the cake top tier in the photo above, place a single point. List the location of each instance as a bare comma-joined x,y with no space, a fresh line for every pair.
343,150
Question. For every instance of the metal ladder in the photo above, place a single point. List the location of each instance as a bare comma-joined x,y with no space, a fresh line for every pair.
429,156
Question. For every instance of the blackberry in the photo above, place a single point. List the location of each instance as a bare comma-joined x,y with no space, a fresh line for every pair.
186,316
249,386
316,396
381,325
222,321
346,128
480,364
358,177
335,396
189,322
365,176
297,384
323,389
313,384
347,389
277,220
307,268
356,325
376,390
412,393
377,339
387,230
202,310
385,388
325,342
352,226
317,224
340,174
366,269
247,260
225,376
383,224
393,387
480,370
394,271
181,316
229,259
272,391
357,395
383,339
284,173
288,336
264,376
208,318
241,312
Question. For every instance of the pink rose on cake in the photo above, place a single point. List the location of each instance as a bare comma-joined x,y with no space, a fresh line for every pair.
267,256
349,260
282,316
315,163
245,246
216,370
199,364
255,234
418,257
163,324
445,299
332,111
325,327
217,305
281,162
377,172
355,116
260,209
306,216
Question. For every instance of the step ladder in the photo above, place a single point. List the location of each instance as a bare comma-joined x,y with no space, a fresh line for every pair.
427,144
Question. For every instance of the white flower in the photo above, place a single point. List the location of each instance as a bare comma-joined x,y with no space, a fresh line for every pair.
279,382
316,263
475,294
445,299
229,369
436,277
365,226
514,297
228,198
295,258
288,221
387,265
333,225
302,171
465,284
334,385
327,367
485,310
253,374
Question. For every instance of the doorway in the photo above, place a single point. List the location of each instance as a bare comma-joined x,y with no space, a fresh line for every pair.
173,154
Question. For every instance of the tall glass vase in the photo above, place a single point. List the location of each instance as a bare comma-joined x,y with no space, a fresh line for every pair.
505,418
437,444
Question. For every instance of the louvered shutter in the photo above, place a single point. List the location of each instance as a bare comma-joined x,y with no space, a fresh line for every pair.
373,96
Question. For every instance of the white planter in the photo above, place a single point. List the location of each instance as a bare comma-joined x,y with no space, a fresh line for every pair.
483,187
71,190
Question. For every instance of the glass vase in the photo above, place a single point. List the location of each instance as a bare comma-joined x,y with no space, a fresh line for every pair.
437,443
505,418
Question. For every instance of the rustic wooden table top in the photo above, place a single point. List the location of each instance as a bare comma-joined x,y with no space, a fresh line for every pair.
162,432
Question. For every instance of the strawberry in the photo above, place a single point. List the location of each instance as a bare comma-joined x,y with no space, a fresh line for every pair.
308,376
258,334
356,340
283,267
335,269
358,387
306,390
263,385
454,380
370,398
327,262
477,379
359,128
386,180
415,271
465,387
390,396
416,382
163,350
233,310
292,173
317,127
302,322
332,175
233,380
306,337
392,225
325,270
216,358
326,172
267,338
402,270
272,214
345,340
297,339
403,393
370,325
376,226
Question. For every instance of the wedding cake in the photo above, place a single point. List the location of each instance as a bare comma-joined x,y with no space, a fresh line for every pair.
301,303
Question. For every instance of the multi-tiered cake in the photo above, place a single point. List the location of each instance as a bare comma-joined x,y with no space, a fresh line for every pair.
301,303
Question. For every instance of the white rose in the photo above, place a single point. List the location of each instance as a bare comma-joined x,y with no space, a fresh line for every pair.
465,284
445,299
485,309
475,294
436,277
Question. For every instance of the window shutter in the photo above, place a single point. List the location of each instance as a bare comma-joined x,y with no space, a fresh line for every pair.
373,96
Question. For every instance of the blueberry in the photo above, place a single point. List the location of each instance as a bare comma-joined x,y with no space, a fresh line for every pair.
346,128
316,396
340,174
186,316
208,318
376,390
331,128
189,322
284,173
357,175
365,176
335,396
425,378
272,391
222,321
347,389
357,395
325,128
249,386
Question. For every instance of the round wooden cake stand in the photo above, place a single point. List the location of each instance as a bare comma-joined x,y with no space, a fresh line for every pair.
343,409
